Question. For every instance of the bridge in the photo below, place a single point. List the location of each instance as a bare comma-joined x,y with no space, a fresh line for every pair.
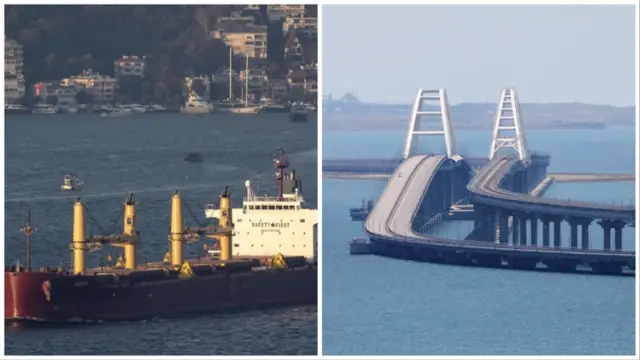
501,190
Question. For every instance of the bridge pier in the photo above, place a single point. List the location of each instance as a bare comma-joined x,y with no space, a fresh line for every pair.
545,230
534,229
606,227
617,226
585,233
523,229
574,233
503,227
515,228
557,237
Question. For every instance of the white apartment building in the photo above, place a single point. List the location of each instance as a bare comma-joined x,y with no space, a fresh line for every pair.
101,88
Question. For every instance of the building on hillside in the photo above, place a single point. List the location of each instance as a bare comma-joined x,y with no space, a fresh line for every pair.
300,48
301,23
303,82
14,89
101,88
13,58
129,66
276,11
65,95
243,35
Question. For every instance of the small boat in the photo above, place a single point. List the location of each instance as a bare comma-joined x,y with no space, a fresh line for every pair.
152,108
71,183
196,105
194,157
247,109
117,112
14,109
243,107
45,109
135,108
299,111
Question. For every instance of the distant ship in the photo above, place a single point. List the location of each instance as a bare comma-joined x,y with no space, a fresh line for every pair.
361,213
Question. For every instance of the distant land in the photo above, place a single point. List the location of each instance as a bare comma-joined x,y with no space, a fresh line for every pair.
350,114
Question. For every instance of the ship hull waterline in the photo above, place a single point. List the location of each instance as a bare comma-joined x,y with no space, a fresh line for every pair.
85,299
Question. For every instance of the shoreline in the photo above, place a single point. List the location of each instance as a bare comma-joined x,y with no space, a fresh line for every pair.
357,127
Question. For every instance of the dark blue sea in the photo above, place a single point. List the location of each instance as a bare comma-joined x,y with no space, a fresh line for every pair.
144,155
381,306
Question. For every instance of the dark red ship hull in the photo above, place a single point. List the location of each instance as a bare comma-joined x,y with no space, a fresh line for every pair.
52,297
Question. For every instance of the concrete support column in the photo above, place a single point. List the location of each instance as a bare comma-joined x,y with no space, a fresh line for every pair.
617,226
557,238
515,230
523,229
488,223
534,230
503,222
585,233
545,231
574,233
606,227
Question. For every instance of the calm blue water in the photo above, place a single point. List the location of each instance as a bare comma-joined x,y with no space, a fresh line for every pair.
379,306
144,155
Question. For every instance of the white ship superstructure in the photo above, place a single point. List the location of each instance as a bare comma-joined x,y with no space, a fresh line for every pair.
268,225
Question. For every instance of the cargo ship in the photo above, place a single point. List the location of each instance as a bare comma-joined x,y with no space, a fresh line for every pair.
172,287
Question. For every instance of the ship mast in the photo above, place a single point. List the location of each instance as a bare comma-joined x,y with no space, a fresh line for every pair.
230,74
281,162
28,230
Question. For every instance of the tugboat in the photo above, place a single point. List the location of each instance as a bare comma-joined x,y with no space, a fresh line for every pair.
71,183
267,225
361,213
299,111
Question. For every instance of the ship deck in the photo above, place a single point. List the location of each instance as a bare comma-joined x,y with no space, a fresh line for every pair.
194,262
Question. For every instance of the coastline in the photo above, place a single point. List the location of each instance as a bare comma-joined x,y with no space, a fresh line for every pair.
376,123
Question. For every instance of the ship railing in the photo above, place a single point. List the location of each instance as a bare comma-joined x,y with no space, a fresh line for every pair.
271,198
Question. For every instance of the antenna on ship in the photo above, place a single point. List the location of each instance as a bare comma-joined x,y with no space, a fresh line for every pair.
28,230
281,162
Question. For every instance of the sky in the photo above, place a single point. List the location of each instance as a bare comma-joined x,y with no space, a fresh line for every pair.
548,53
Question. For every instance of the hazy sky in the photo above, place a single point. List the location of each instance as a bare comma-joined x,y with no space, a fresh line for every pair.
548,53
